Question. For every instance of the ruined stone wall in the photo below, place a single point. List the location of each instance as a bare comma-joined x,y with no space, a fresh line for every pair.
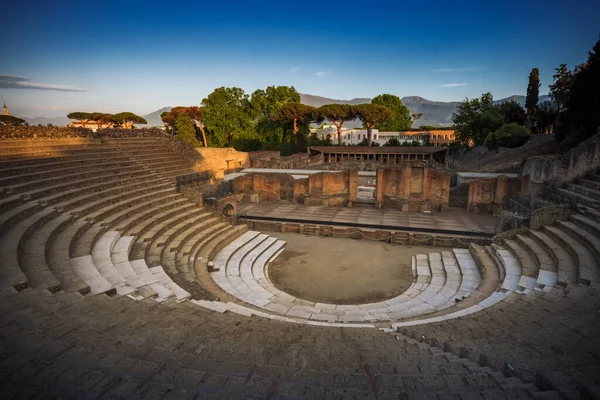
295,161
491,193
481,159
328,188
220,160
412,188
559,169
257,188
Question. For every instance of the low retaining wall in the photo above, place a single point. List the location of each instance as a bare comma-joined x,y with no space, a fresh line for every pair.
388,236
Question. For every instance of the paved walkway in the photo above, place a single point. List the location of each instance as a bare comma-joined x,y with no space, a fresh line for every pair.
453,219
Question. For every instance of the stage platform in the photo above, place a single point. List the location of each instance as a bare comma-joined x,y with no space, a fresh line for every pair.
455,219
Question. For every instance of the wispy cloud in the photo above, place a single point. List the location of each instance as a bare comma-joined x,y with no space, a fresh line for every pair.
453,85
21,82
463,69
323,73
293,70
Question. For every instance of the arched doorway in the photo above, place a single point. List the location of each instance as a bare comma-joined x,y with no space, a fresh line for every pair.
228,210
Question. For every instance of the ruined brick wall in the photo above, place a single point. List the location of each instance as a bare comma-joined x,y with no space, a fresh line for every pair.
300,190
408,188
485,194
257,188
220,161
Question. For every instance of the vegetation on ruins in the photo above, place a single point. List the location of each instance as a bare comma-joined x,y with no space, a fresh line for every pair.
11,120
338,114
508,135
102,119
401,121
371,116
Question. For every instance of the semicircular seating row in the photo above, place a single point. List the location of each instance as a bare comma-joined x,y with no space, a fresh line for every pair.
73,215
562,255
72,210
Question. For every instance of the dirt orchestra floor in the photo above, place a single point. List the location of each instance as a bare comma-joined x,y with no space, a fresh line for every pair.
342,271
453,219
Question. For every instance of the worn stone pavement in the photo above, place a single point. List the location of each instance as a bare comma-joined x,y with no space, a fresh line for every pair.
68,346
453,219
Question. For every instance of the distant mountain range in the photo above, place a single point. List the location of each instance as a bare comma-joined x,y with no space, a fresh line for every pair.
435,113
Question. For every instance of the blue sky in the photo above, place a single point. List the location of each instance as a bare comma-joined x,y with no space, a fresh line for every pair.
140,56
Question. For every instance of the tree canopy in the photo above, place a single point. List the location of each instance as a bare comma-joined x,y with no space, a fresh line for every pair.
337,114
402,120
195,113
474,119
116,120
297,113
372,115
227,114
11,120
579,116
185,129
513,112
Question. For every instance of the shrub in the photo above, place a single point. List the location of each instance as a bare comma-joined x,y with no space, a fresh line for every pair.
508,135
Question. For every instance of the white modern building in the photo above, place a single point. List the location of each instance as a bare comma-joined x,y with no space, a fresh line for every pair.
352,137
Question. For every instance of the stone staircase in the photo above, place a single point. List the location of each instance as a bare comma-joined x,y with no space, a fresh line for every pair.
586,190
66,204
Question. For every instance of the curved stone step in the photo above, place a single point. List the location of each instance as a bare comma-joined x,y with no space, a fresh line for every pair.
471,278
529,267
566,268
547,276
586,265
101,257
586,236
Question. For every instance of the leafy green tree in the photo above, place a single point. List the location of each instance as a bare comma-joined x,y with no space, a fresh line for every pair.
226,114
513,112
337,114
402,120
580,117
561,85
194,112
300,114
474,119
79,115
372,115
508,135
185,130
11,120
533,96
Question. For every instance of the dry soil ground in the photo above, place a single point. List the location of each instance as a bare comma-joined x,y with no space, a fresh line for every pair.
342,271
